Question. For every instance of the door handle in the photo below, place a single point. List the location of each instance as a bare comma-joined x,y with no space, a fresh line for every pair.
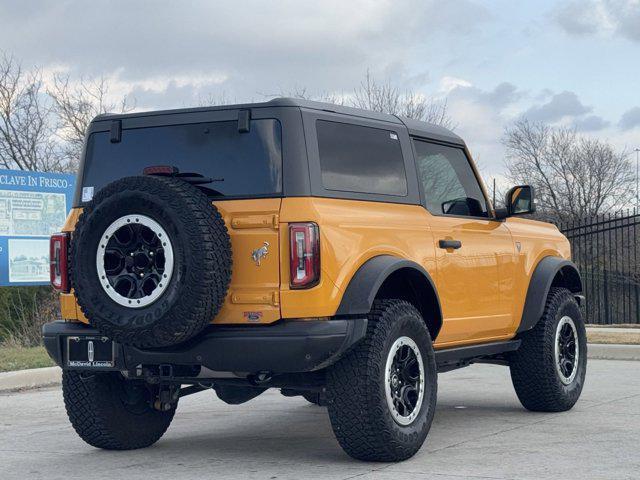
450,244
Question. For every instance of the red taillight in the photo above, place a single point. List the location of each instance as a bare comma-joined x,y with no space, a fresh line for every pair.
58,271
159,170
304,245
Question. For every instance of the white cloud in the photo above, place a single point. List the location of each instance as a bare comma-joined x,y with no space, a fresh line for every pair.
600,17
561,105
481,116
254,48
448,84
630,119
591,123
168,54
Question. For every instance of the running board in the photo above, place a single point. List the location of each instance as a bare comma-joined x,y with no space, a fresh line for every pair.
452,358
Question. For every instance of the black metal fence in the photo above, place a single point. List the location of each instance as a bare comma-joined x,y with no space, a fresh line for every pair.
606,252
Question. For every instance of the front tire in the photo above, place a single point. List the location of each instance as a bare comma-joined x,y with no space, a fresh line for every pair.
382,394
549,368
110,412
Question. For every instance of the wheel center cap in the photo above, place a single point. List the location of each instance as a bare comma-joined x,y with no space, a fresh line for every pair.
128,261
141,260
395,381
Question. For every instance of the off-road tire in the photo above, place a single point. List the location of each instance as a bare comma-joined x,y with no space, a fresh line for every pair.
358,410
533,366
202,261
94,404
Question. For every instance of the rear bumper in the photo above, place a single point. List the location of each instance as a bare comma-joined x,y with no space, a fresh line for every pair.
289,346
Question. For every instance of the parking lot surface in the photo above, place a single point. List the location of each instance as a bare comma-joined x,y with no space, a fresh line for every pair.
480,431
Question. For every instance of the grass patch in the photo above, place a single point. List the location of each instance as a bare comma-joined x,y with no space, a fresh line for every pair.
22,358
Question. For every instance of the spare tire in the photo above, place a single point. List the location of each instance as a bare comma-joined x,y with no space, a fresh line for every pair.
150,261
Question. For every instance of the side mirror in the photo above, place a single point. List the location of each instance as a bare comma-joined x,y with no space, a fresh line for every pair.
519,200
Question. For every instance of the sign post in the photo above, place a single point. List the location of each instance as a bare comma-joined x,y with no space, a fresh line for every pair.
33,205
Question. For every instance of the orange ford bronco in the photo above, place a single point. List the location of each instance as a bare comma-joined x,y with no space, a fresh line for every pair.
338,254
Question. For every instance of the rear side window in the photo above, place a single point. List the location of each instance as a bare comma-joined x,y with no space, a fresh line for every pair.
449,184
239,164
360,159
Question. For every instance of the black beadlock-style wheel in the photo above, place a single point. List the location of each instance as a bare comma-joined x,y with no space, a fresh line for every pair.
549,368
150,261
110,412
382,395
135,260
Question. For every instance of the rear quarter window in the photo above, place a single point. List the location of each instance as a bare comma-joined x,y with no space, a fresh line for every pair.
360,159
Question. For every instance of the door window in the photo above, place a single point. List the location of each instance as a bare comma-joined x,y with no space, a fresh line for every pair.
449,183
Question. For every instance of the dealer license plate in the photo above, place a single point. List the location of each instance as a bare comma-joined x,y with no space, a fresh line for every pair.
90,352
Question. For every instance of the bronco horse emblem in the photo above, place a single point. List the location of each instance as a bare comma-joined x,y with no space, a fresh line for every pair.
259,253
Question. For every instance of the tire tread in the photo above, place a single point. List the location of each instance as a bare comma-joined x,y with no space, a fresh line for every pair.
532,366
359,415
89,401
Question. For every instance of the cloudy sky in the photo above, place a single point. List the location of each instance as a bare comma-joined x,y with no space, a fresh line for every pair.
563,62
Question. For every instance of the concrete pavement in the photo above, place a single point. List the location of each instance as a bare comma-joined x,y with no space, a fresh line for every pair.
602,351
480,431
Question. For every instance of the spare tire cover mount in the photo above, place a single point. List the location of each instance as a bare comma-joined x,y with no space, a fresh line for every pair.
150,261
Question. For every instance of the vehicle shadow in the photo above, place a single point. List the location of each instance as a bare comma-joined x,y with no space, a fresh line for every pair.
302,433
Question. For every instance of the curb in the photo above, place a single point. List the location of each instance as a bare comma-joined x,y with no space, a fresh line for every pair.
46,377
28,379
602,351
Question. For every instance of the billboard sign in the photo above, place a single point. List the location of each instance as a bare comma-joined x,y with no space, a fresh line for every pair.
33,205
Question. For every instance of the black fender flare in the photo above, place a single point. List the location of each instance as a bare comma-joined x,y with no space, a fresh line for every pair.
366,282
541,281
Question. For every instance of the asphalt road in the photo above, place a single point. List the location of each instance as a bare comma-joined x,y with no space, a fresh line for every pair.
480,431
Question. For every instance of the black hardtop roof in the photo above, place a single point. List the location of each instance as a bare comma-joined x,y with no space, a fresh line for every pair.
415,127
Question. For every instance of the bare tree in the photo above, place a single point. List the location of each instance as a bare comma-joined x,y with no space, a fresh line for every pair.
303,93
26,136
387,98
76,104
574,176
210,99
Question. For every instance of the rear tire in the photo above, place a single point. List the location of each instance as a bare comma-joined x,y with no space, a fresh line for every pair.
549,368
370,418
110,412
